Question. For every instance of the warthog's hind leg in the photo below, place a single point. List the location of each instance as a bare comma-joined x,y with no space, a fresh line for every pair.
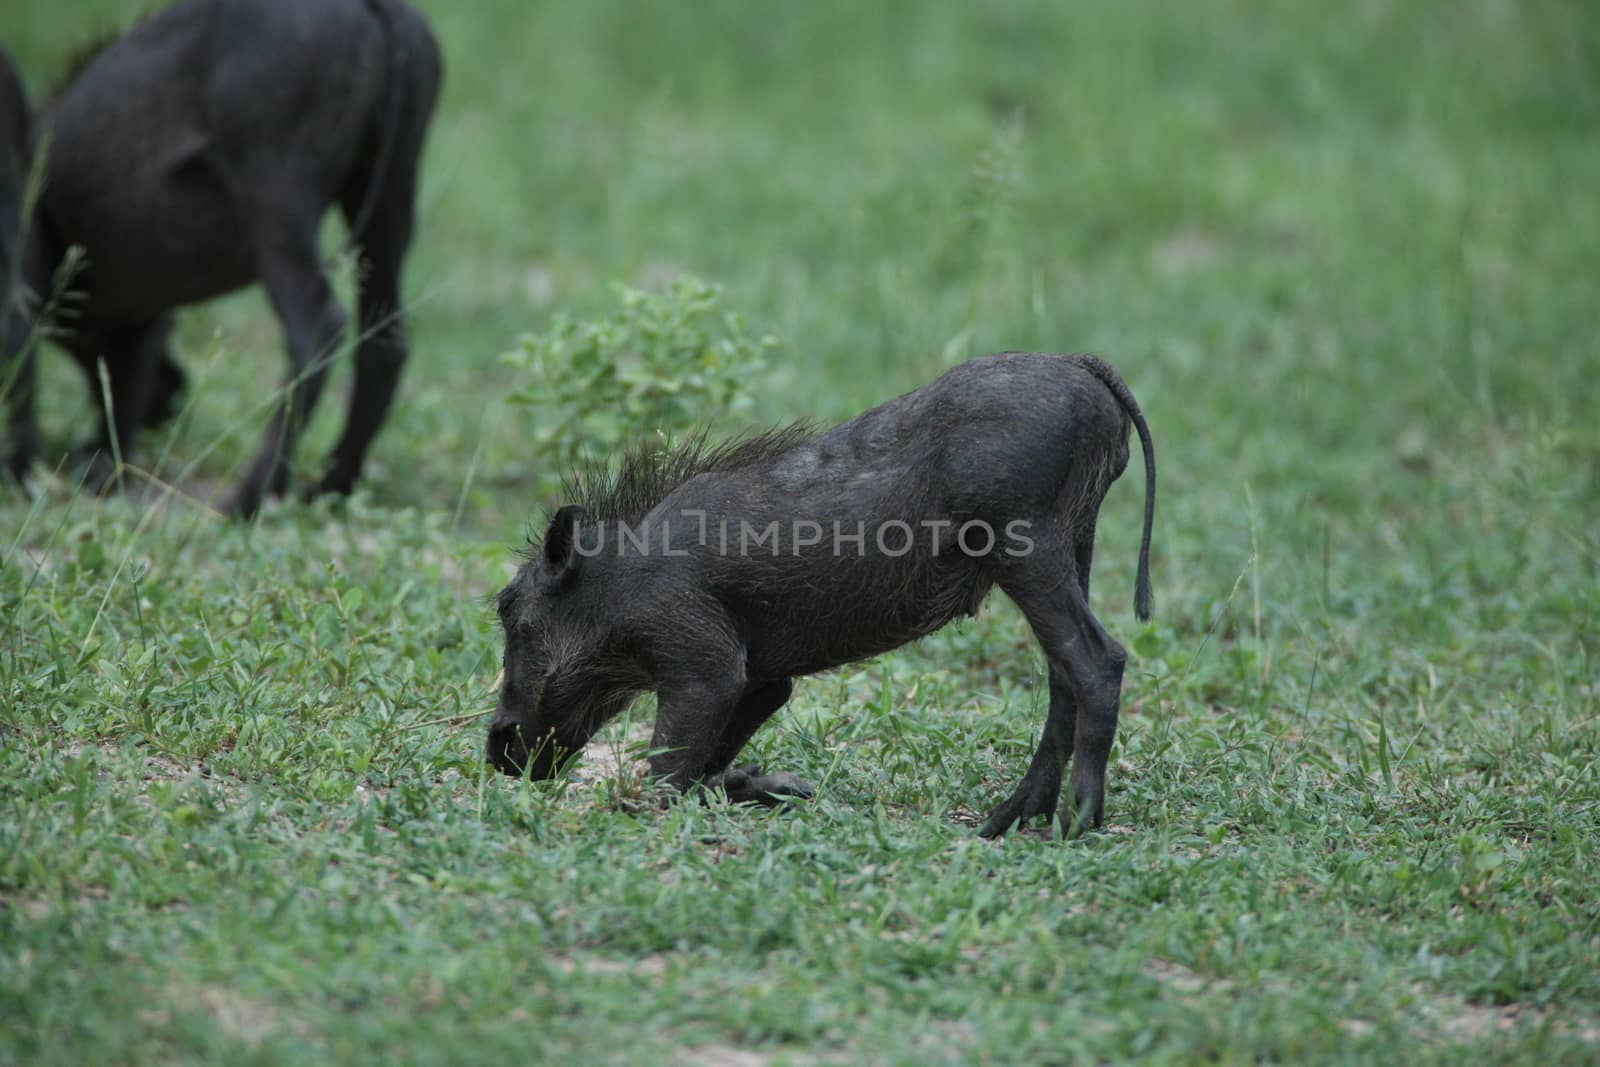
1052,589
312,323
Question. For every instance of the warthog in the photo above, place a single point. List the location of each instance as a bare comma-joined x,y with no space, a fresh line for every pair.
197,155
716,575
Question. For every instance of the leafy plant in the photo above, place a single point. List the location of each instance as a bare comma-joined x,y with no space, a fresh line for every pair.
662,362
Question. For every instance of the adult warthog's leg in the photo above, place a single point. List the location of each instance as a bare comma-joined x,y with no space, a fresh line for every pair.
381,347
379,204
312,326
17,362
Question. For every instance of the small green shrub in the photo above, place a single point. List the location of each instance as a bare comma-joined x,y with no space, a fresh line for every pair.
662,362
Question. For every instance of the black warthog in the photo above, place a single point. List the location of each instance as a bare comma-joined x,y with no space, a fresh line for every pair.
14,140
715,575
196,155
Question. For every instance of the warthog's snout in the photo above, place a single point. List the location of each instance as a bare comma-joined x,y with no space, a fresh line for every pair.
506,749
514,751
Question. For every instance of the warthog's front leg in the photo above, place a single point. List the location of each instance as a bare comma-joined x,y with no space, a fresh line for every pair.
701,724
749,784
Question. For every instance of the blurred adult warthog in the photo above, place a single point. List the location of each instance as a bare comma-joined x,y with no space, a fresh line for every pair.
197,155
713,576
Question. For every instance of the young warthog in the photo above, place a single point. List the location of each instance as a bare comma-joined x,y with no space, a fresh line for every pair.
197,155
715,575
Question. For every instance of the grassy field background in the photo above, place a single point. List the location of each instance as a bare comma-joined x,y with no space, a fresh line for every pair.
1346,259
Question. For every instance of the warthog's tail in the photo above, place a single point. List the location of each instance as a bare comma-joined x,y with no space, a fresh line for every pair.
1119,389
393,112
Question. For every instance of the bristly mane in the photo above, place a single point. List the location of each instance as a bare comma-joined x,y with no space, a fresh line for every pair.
625,489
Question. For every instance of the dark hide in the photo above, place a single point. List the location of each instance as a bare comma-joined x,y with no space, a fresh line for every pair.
197,155
14,156
651,581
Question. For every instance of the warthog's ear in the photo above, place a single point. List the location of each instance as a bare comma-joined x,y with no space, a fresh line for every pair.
560,548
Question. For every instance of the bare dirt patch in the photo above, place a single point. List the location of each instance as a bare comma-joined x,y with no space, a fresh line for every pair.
242,1018
645,966
1456,1020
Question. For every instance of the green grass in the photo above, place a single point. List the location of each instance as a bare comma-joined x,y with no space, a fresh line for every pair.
1345,258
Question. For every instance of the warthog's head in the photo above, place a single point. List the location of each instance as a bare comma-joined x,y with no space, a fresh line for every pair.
561,682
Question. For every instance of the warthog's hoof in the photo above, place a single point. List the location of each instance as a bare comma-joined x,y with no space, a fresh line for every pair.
749,785
99,472
1039,795
1031,800
1088,809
